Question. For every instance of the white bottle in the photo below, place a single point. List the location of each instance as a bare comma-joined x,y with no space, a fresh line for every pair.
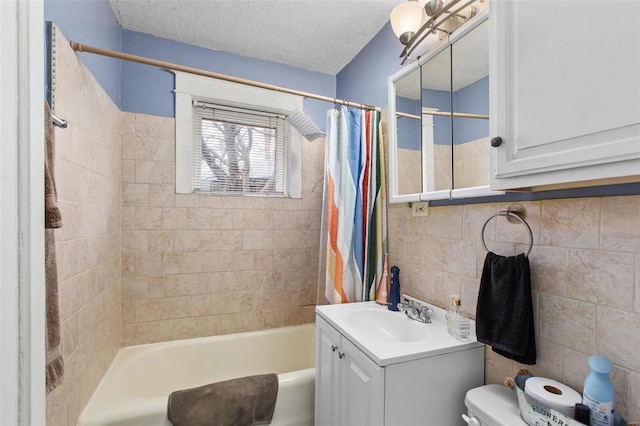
462,327
457,322
452,312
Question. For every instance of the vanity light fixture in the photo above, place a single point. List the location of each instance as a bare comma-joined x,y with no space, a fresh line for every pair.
406,19
412,21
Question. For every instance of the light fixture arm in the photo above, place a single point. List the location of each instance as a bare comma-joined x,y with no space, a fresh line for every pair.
433,24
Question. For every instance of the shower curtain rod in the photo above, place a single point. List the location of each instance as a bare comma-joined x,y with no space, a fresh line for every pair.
79,47
442,113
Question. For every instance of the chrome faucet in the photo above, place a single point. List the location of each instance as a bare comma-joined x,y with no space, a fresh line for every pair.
416,312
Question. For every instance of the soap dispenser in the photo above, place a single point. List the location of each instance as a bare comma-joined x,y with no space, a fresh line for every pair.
394,294
457,322
452,311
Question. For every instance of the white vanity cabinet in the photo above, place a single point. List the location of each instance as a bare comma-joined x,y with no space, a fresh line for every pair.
565,93
367,381
349,385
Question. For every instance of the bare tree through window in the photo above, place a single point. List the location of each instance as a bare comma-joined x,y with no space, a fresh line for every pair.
238,157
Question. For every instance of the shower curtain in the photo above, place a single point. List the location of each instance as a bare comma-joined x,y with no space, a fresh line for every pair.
354,207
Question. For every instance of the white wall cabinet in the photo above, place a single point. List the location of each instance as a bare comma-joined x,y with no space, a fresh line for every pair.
565,92
351,389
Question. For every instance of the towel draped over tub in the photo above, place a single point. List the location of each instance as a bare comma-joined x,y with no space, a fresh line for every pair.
245,401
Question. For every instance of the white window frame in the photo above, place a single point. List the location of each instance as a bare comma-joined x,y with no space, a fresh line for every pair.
190,87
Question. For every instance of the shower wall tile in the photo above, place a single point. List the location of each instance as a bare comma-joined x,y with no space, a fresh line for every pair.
89,172
197,265
585,273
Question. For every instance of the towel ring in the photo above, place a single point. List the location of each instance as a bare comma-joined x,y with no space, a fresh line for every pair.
508,214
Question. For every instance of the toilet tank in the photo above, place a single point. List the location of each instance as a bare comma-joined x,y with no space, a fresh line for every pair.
493,405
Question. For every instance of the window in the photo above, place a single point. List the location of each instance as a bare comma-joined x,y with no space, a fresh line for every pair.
241,151
234,139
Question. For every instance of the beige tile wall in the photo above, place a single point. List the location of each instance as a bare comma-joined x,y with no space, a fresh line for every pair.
197,265
471,163
585,270
88,244
409,171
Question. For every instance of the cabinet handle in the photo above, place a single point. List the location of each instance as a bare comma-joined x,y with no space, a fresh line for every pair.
333,348
341,355
496,142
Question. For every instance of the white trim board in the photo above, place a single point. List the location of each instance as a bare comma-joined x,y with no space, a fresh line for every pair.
22,353
189,86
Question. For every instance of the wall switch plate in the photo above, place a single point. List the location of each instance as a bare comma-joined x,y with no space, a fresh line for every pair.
420,209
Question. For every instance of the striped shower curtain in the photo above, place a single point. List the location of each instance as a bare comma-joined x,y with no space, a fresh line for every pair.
355,205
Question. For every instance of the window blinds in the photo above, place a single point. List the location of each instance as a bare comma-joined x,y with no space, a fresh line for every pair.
238,151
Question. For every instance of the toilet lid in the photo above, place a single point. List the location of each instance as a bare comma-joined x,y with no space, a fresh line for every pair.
494,405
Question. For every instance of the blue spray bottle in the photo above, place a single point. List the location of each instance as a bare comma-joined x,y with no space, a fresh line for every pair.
599,394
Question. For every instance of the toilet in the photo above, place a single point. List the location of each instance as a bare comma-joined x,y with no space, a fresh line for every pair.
492,405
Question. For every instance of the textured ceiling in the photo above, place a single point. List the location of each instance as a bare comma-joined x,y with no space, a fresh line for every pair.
318,35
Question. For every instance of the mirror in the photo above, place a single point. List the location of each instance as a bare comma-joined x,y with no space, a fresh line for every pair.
436,121
439,127
408,151
470,82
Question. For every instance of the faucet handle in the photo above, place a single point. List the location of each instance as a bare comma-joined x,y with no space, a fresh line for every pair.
401,307
425,314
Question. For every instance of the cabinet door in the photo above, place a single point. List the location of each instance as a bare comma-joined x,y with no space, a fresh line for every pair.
362,387
327,374
565,91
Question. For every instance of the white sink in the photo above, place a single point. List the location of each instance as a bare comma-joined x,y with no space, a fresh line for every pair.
389,337
387,325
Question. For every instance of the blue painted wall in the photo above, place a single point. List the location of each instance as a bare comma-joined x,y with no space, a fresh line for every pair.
364,79
474,99
145,89
91,22
408,129
441,100
149,90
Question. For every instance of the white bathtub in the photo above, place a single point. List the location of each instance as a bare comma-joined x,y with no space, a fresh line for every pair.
134,390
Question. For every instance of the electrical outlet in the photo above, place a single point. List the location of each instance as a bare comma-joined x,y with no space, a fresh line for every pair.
420,209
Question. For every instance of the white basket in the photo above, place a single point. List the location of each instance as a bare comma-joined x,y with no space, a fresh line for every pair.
535,413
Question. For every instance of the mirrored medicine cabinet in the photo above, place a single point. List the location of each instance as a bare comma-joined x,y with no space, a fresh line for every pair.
439,123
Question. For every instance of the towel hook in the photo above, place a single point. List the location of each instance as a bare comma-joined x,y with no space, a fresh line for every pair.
510,215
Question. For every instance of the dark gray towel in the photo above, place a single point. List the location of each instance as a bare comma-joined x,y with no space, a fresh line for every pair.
238,402
504,314
52,219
